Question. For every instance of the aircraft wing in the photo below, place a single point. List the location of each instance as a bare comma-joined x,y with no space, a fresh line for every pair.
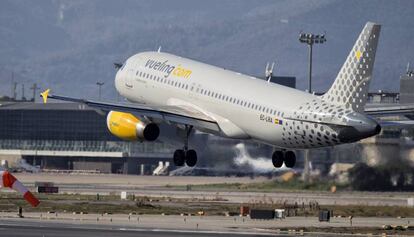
379,110
169,114
397,124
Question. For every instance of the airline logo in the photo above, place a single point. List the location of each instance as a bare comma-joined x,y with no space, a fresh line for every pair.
168,69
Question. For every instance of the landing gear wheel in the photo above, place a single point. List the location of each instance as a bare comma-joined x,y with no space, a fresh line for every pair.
290,159
179,157
277,159
191,158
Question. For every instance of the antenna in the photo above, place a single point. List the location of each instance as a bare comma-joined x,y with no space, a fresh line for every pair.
269,71
408,67
159,49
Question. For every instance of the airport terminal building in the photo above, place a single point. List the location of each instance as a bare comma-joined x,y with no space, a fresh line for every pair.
69,136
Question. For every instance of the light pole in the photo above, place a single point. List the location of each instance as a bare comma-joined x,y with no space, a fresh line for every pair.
34,88
100,84
311,39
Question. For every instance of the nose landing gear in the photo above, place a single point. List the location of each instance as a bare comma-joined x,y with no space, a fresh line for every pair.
280,157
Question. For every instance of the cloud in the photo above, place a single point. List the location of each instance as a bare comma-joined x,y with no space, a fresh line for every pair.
257,164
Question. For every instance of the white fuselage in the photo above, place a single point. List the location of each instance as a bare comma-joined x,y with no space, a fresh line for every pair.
244,107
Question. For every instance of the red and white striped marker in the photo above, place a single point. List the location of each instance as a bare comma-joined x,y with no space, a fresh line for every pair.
9,181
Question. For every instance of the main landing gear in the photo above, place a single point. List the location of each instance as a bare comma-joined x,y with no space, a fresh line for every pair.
287,157
181,156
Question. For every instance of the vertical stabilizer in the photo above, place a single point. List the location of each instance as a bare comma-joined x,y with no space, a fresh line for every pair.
351,85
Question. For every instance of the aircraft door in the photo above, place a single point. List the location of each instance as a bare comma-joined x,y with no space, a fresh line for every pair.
129,76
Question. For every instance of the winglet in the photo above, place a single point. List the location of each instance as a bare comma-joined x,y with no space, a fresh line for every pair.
45,95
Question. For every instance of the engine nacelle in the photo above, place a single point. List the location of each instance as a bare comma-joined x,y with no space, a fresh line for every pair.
128,127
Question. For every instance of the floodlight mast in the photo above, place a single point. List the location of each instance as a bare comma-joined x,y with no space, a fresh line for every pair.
311,39
100,84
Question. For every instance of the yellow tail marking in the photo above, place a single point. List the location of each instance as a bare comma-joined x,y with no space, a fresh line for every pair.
358,55
44,95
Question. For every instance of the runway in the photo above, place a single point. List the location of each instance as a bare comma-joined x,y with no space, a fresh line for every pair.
12,228
157,186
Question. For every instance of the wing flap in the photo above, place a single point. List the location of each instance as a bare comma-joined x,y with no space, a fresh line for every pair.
389,109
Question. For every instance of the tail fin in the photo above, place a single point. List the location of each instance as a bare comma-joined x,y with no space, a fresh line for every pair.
351,85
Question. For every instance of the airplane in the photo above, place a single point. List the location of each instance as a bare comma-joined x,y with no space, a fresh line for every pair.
166,90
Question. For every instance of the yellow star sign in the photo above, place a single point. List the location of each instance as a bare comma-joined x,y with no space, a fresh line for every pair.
45,94
358,55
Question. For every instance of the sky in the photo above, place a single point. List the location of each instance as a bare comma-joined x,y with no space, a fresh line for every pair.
70,45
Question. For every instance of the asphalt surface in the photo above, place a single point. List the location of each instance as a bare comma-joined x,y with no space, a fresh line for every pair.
91,225
12,228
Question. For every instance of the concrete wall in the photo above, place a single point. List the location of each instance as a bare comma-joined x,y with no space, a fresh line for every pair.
104,167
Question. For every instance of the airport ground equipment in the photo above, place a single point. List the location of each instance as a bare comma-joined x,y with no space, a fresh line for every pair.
280,213
46,187
262,214
9,181
324,215
244,210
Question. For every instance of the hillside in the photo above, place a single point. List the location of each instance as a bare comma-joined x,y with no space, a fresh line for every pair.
69,45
